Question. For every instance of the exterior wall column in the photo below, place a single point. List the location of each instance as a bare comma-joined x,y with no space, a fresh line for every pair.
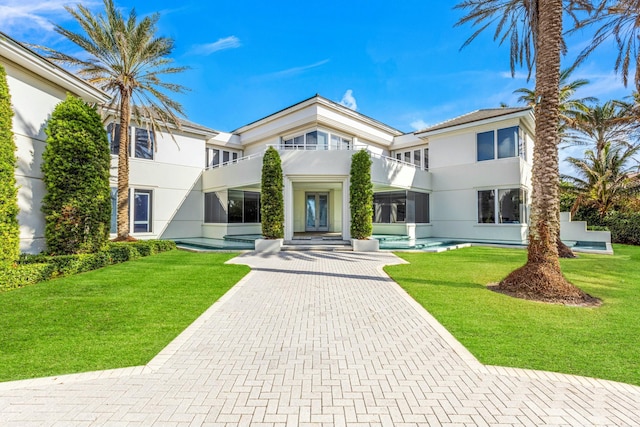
288,209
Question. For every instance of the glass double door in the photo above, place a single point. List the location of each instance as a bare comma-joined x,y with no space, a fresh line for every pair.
317,206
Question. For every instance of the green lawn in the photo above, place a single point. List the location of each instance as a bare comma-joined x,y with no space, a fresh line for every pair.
118,316
599,342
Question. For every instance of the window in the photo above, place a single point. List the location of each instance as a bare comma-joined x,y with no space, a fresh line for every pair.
316,140
407,156
213,157
399,156
143,144
426,159
234,157
485,146
236,200
225,157
142,211
416,158
420,202
114,210
511,204
214,211
113,135
242,207
401,206
509,208
507,144
486,207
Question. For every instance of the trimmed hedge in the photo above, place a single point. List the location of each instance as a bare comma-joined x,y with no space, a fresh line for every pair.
37,268
271,198
75,166
9,229
361,196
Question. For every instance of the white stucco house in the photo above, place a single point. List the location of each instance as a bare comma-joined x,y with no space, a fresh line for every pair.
468,178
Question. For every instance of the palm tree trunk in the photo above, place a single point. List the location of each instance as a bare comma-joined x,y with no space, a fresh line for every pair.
123,168
541,277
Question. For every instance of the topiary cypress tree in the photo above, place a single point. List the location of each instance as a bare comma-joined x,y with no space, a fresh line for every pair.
9,229
76,161
271,199
361,196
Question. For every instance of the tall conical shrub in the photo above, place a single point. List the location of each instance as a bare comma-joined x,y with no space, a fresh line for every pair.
9,229
271,198
361,196
76,161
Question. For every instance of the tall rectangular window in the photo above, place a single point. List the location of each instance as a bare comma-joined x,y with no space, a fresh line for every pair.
312,140
225,157
485,146
142,211
234,157
114,210
236,202
398,156
426,159
486,207
143,144
407,156
416,159
508,142
214,210
420,207
113,134
213,157
251,207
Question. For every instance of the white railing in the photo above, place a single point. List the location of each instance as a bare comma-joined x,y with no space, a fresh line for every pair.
282,147
232,162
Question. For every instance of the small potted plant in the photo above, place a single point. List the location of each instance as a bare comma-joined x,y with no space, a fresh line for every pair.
361,201
271,203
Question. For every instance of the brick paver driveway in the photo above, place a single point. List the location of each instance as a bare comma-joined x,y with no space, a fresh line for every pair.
317,338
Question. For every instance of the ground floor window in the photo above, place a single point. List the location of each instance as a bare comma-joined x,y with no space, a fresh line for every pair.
240,207
401,206
509,207
142,211
114,210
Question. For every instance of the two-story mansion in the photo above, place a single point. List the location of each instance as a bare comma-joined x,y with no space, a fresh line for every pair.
467,178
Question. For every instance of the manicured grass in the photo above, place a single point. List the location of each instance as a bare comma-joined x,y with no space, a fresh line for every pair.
118,316
597,342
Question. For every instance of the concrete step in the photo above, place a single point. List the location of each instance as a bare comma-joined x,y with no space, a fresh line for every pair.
316,245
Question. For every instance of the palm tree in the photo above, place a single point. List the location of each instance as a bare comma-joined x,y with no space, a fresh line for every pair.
599,125
619,19
605,177
126,59
535,31
570,107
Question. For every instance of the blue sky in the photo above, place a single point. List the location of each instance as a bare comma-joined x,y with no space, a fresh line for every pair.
398,62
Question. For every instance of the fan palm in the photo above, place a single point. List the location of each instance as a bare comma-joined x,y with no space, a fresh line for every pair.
125,58
605,177
534,28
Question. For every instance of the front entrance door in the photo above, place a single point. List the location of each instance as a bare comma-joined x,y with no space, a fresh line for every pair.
317,205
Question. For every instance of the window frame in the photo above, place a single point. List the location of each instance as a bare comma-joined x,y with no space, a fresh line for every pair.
497,206
149,220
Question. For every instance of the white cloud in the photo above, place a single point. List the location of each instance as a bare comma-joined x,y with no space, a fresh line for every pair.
349,101
20,16
231,42
518,75
419,124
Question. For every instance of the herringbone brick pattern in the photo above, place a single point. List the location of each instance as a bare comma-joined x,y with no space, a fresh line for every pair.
317,339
